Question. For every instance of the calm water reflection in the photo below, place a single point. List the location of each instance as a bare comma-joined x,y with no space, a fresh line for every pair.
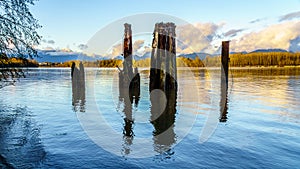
223,101
78,87
259,111
163,115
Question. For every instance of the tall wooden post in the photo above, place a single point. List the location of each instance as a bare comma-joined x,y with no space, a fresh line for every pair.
153,68
163,75
127,79
163,72
129,88
161,55
127,51
225,59
171,67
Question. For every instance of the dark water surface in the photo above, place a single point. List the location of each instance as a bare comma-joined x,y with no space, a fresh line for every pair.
255,124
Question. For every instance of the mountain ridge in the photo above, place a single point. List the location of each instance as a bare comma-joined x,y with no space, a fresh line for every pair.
57,56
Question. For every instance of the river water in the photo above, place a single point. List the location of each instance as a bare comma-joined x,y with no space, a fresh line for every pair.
255,123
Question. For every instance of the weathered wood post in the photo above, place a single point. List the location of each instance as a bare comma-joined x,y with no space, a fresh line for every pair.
171,67
224,81
161,56
134,86
154,68
127,51
163,74
225,60
127,79
129,88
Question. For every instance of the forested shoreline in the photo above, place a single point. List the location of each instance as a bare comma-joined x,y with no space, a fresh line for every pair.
267,59
7,62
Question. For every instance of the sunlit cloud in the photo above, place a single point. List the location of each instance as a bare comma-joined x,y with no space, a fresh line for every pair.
197,37
138,47
275,36
147,49
138,44
207,37
116,50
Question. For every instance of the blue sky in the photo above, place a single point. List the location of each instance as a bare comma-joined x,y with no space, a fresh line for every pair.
69,23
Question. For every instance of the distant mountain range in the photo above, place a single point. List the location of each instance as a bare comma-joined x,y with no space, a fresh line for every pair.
63,56
194,55
268,50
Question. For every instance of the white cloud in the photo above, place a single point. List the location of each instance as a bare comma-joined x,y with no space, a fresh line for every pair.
138,47
138,44
204,37
117,50
274,36
197,37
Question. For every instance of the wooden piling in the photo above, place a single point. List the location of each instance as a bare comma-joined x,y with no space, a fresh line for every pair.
163,75
154,68
163,72
127,79
127,51
225,60
171,67
129,88
161,56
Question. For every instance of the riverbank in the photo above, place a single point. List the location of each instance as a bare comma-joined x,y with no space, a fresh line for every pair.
14,62
239,60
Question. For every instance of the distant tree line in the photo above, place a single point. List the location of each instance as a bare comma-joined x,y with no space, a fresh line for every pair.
265,59
9,62
181,62
98,63
279,59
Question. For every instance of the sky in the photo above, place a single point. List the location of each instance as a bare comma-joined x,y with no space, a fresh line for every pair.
70,25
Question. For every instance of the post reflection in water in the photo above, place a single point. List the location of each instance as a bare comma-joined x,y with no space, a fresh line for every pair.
163,109
128,133
223,100
78,87
133,92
